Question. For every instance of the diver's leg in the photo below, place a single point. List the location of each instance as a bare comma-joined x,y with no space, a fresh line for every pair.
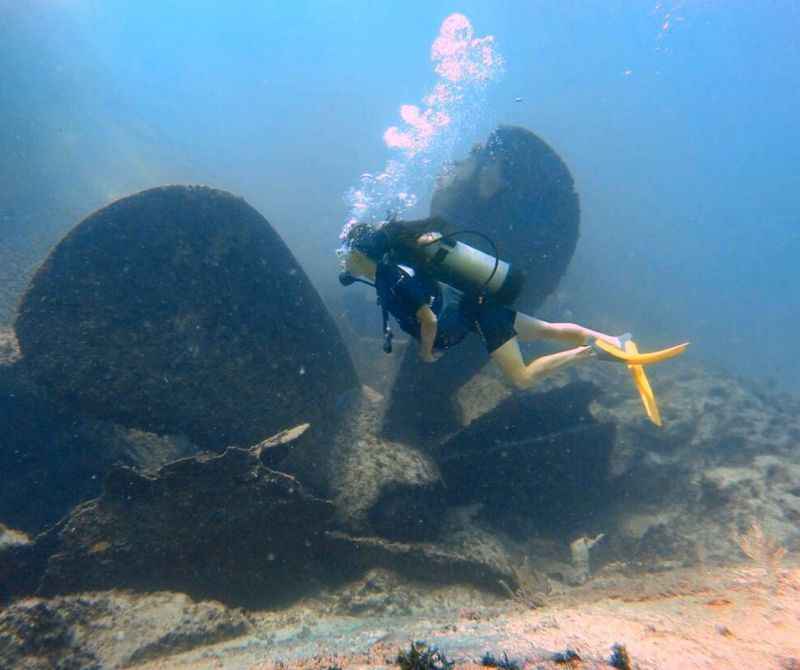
530,328
509,358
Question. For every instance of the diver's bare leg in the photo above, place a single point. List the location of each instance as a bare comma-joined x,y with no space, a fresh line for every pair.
509,358
530,328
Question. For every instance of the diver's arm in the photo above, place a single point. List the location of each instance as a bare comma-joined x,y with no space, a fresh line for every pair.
427,333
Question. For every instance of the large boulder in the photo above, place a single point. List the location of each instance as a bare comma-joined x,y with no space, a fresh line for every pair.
516,189
180,310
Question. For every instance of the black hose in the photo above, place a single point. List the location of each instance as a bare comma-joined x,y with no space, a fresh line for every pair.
346,279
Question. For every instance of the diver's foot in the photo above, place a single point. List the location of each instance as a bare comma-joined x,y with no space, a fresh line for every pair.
618,341
622,340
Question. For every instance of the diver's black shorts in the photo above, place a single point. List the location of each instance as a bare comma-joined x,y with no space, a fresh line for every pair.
493,322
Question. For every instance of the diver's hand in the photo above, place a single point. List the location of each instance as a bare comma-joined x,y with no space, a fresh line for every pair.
428,238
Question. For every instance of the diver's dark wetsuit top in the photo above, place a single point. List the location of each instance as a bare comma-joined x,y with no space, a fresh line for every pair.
402,294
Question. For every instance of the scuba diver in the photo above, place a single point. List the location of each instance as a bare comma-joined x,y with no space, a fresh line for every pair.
409,262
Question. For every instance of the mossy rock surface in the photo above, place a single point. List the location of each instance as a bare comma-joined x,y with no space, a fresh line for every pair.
180,310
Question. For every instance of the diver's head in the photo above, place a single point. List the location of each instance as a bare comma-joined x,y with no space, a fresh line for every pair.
364,246
369,240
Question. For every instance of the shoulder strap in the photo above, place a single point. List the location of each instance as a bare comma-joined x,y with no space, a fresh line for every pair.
387,331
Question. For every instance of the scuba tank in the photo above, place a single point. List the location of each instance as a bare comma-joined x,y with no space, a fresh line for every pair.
466,268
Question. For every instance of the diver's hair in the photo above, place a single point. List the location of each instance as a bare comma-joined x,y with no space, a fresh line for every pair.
376,241
367,238
400,233
358,232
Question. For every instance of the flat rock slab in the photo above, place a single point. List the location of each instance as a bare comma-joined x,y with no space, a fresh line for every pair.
110,630
219,526
180,310
429,563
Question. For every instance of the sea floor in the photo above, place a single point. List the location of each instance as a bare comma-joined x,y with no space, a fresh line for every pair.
720,618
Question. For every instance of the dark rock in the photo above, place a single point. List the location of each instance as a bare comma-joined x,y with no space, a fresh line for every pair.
180,310
220,526
109,630
725,487
52,457
504,663
568,657
409,511
518,191
620,658
541,455
660,543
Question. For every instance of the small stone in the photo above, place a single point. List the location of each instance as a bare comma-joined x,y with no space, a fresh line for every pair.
723,630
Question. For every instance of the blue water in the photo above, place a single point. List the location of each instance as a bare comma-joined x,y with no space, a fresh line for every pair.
677,119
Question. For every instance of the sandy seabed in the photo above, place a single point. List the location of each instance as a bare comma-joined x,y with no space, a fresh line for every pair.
739,617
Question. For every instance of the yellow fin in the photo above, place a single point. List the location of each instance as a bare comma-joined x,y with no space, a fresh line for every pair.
642,359
643,386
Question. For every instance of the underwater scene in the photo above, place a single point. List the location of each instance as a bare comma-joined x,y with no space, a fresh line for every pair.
426,335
